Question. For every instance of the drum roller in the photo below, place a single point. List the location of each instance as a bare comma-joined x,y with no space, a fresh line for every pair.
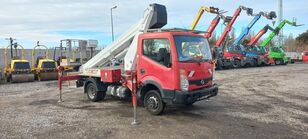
45,76
19,78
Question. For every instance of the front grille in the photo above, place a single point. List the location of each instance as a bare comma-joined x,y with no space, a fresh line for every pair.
200,82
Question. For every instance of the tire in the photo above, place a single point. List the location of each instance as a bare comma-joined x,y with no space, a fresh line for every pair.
153,102
278,62
219,65
255,63
236,63
189,104
93,94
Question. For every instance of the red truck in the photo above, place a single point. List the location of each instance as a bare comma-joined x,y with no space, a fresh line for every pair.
305,56
155,66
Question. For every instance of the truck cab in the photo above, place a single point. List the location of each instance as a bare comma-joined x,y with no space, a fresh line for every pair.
279,55
236,54
177,66
305,56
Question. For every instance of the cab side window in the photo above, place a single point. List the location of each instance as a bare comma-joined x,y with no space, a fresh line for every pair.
157,50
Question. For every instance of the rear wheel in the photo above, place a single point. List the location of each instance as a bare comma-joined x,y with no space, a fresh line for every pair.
153,102
278,62
93,94
236,63
219,65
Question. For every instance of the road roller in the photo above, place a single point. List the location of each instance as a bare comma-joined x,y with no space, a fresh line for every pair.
17,69
43,68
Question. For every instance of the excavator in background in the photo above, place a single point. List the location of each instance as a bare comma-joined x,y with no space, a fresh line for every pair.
43,67
214,22
277,53
203,9
238,48
153,66
253,50
223,58
72,53
17,68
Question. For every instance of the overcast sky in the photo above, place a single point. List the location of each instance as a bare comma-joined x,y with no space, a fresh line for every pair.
52,20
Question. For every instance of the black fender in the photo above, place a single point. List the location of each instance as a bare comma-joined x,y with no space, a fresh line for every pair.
100,86
165,94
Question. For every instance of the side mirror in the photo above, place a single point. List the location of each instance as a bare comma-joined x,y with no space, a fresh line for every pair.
164,57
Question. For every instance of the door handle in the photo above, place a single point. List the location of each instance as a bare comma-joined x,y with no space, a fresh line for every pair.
142,71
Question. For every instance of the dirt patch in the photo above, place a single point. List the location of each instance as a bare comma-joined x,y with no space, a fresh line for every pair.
263,102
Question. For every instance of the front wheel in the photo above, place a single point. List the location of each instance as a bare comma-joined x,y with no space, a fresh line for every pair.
153,102
93,94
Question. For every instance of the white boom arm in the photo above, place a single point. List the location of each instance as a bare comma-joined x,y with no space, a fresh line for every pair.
125,46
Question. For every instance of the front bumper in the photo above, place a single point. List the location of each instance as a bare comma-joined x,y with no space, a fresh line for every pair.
186,97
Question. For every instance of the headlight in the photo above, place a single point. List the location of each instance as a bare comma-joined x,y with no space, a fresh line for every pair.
184,83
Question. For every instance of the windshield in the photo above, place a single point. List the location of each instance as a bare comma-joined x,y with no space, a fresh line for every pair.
49,65
192,48
21,65
277,49
235,49
262,50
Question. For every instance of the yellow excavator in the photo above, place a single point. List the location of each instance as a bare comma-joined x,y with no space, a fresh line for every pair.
43,68
17,68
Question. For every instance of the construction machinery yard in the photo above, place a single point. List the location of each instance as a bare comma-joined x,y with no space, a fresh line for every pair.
266,102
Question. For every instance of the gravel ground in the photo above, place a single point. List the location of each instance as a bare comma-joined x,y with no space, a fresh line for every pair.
264,102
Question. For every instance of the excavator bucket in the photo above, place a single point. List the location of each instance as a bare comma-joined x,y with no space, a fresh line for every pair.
45,76
19,78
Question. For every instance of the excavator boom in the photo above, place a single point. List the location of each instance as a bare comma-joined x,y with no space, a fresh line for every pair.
200,13
255,39
277,30
228,28
271,15
211,28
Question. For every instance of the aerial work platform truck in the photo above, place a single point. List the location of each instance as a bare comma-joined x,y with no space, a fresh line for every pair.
153,66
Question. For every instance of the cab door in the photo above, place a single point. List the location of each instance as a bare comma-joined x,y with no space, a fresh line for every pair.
154,63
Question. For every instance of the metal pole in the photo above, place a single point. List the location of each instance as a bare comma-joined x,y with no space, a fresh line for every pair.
11,44
60,74
280,16
112,25
112,21
134,96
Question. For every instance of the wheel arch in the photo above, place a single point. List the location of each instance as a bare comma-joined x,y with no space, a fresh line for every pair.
149,85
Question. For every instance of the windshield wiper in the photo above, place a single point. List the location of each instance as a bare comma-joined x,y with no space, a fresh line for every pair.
195,60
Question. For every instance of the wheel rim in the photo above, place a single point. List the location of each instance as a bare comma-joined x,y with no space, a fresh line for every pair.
278,62
91,92
152,102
